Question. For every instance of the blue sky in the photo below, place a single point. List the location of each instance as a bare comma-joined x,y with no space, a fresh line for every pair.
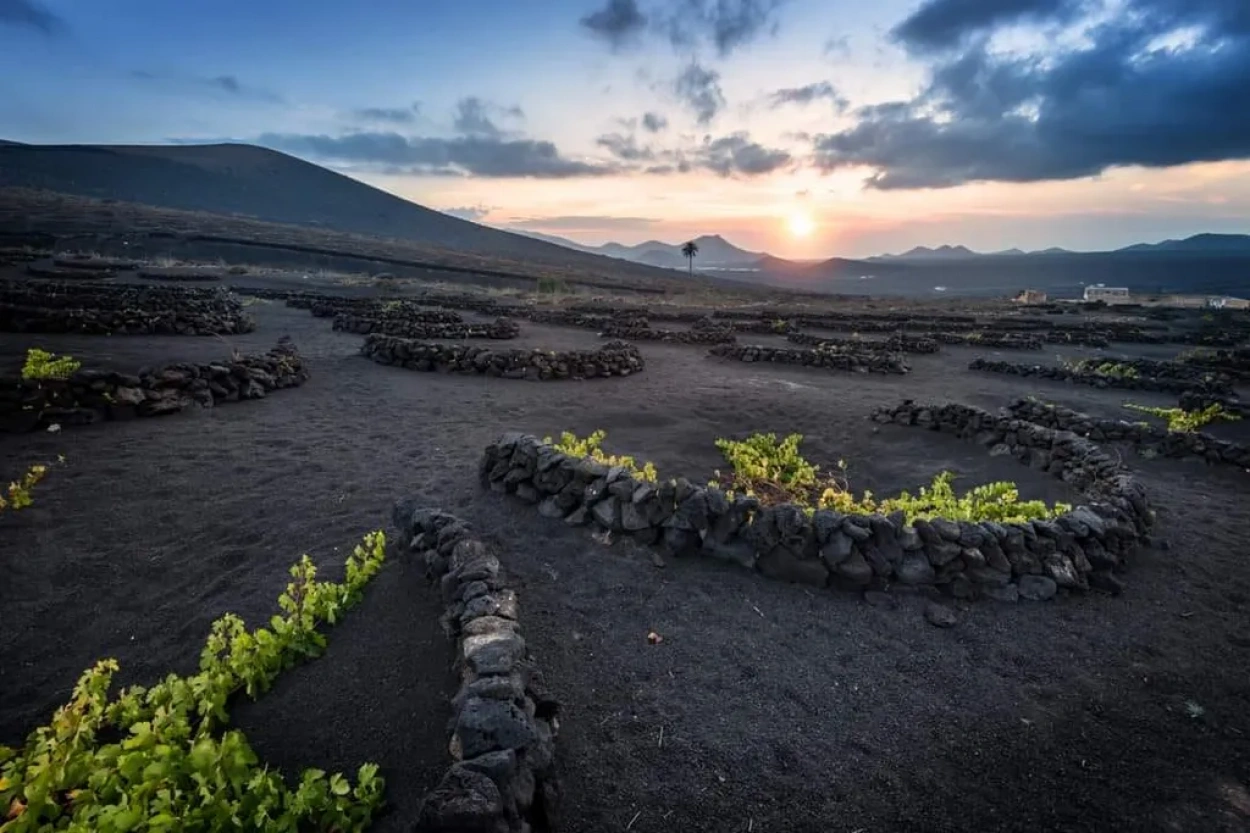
802,127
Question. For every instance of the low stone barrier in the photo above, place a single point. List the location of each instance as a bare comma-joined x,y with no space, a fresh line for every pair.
504,720
828,359
897,343
1008,561
1150,440
120,309
90,396
1004,341
387,310
499,329
1083,377
1234,362
612,359
1197,400
641,331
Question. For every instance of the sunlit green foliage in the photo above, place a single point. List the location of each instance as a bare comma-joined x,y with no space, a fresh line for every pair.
775,472
1187,422
591,447
164,759
40,364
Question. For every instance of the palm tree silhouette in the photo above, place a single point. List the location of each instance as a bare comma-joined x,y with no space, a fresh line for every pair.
690,250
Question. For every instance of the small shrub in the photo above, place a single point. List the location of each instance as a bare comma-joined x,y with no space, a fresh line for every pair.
18,496
1187,422
591,447
551,286
40,365
775,472
1111,370
162,759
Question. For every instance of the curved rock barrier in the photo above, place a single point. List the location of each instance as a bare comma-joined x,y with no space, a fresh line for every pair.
897,343
1006,562
499,329
1150,440
613,359
1100,380
504,720
1177,370
1235,362
1197,400
90,396
1004,341
120,309
641,331
827,359
389,310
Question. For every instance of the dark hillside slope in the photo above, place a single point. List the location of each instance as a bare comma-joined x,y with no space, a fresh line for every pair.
268,185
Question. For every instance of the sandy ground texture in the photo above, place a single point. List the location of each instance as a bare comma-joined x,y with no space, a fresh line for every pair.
766,707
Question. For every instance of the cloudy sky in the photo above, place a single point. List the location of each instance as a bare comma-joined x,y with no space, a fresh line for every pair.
802,127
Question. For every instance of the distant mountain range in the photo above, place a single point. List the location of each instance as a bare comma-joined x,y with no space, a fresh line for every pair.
715,252
254,182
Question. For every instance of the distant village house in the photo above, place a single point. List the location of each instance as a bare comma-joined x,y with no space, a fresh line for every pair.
1031,296
1107,294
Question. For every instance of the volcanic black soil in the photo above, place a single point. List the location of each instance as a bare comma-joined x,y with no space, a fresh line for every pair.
766,706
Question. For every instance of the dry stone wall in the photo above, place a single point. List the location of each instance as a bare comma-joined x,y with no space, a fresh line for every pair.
499,329
1081,549
1151,441
640,330
827,359
90,396
504,719
121,309
613,359
1086,377
899,343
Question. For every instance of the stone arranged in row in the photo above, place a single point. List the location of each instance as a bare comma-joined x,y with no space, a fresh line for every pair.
499,329
1100,380
855,362
639,330
505,721
613,359
897,343
47,307
90,396
1077,550
1150,440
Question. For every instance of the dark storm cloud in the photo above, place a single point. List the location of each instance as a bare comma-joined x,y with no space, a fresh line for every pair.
1120,99
945,24
485,156
737,154
388,115
699,89
618,23
806,95
33,14
654,122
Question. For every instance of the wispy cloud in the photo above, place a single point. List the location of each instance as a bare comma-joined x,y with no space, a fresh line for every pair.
33,14
388,115
619,23
476,117
699,89
229,84
470,212
483,156
806,95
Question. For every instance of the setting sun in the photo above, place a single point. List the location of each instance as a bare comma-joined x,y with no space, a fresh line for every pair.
800,224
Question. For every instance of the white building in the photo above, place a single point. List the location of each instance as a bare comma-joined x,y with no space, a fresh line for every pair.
1107,294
